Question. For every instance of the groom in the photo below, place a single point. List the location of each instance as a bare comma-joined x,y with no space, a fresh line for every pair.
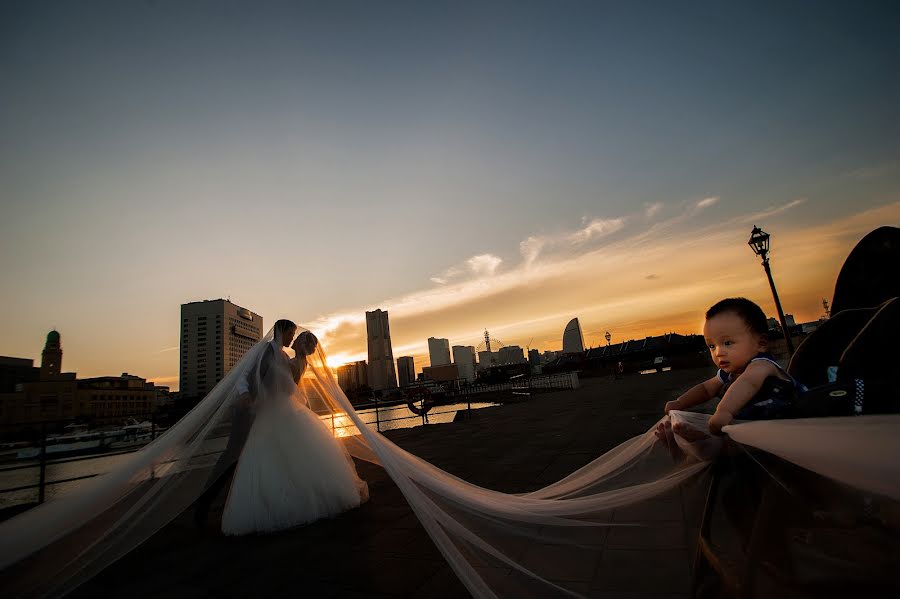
241,421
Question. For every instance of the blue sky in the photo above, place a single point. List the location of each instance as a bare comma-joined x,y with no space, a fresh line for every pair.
316,159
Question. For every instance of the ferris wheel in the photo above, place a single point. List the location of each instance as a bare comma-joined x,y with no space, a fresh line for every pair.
489,343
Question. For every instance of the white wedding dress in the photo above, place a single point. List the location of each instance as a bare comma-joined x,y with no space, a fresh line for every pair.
291,470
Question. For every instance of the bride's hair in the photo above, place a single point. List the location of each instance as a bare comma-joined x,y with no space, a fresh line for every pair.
307,341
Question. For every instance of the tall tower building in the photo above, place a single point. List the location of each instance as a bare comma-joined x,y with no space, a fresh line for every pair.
573,340
51,357
464,358
381,356
406,370
215,335
439,351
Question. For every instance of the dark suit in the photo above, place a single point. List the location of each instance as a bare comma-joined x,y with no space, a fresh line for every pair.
241,422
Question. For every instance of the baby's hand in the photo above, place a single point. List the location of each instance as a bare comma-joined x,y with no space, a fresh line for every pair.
718,420
688,433
660,431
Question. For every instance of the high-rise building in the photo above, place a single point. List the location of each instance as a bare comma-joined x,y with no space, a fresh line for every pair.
511,354
381,355
215,335
406,370
352,376
464,359
573,340
439,351
487,359
534,357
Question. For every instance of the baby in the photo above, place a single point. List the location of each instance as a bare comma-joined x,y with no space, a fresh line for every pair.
735,332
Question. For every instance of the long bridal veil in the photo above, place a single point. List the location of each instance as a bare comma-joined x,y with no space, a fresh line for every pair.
498,544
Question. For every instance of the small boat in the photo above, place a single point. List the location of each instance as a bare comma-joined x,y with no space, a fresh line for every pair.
134,434
75,439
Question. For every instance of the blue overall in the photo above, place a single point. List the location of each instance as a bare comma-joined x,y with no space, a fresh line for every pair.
774,399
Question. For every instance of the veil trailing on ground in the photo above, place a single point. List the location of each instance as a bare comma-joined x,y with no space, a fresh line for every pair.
496,543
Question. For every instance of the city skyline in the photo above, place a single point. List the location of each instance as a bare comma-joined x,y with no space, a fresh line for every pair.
462,167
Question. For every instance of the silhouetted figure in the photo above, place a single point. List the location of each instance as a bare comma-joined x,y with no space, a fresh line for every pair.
242,419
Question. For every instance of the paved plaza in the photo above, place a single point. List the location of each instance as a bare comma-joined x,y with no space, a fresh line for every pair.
381,550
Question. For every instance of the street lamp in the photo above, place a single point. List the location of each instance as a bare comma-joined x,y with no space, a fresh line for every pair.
608,337
759,242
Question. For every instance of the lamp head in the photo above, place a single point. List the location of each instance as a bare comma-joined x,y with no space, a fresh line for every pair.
759,242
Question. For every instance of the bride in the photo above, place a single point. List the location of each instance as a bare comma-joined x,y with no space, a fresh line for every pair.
290,471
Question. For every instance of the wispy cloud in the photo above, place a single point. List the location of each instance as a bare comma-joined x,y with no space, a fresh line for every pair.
167,349
651,210
531,248
874,171
773,210
598,227
707,202
482,265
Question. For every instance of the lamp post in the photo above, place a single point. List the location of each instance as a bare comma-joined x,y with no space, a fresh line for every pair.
608,337
759,241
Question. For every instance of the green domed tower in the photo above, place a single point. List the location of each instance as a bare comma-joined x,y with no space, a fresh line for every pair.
51,357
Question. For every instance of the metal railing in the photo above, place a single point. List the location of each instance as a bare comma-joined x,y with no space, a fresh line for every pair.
384,411
379,408
44,461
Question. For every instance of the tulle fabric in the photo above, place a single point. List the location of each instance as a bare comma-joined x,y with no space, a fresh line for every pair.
498,544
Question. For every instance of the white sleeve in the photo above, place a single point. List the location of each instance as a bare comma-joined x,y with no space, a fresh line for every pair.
243,385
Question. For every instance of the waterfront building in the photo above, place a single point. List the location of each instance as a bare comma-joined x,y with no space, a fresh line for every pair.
487,359
534,357
381,356
49,396
549,356
573,340
464,360
447,372
353,376
438,351
511,354
53,397
774,324
15,372
215,335
406,370
111,396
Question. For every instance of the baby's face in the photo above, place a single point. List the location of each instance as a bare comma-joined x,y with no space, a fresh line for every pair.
731,343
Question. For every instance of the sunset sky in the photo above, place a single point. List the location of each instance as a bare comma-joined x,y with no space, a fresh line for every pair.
503,165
